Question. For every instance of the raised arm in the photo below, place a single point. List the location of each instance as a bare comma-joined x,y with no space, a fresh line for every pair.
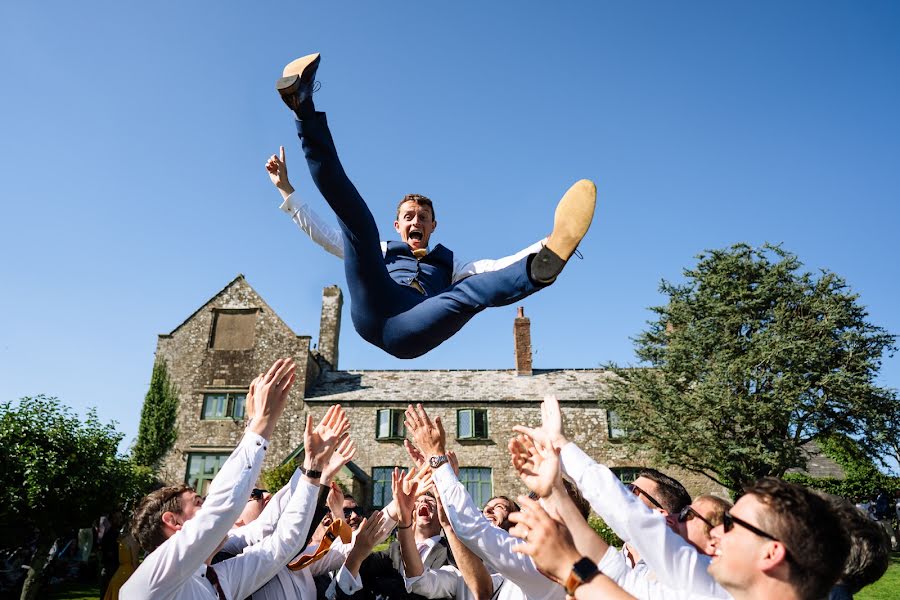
674,561
168,567
259,563
492,544
318,230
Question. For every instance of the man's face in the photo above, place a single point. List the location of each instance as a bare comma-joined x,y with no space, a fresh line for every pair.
497,512
191,502
693,528
739,554
415,223
351,513
649,491
427,523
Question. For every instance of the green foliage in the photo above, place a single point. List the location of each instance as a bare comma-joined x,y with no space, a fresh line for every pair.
58,473
157,432
277,477
604,531
862,478
750,359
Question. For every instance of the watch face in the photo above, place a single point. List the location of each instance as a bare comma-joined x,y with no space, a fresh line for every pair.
437,461
585,569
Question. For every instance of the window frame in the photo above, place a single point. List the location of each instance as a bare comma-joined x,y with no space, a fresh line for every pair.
620,431
382,486
473,414
478,496
233,400
395,422
203,480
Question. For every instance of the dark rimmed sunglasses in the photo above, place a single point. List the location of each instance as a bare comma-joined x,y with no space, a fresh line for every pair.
729,521
638,491
257,494
687,513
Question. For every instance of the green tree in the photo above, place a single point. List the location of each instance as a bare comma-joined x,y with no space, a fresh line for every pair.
57,474
156,431
749,359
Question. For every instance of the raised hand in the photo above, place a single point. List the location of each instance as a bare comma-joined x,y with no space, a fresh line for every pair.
551,424
270,396
537,464
277,168
545,540
414,454
251,406
321,441
367,535
343,454
428,435
335,501
454,461
404,487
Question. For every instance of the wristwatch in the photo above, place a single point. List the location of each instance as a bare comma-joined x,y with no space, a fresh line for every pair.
311,473
437,461
582,571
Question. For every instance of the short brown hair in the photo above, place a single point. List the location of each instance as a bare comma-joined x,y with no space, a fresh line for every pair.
811,531
418,199
669,491
147,525
719,506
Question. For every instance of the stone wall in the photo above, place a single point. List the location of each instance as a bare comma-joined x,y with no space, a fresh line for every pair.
586,425
197,369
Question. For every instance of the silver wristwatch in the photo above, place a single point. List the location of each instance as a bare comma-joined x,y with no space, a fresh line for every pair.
437,461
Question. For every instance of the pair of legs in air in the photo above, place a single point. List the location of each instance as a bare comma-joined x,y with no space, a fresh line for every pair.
395,317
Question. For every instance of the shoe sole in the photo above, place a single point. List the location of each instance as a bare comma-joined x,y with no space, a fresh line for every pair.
573,217
297,67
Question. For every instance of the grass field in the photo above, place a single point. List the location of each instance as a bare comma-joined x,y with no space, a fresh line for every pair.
886,588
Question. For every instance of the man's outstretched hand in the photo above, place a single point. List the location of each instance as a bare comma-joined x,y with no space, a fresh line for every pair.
551,429
277,168
427,435
270,396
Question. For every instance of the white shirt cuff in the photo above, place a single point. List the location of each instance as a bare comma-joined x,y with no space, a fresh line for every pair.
290,205
347,582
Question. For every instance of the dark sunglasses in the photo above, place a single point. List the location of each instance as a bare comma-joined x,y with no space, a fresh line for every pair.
348,511
687,513
729,521
257,494
638,491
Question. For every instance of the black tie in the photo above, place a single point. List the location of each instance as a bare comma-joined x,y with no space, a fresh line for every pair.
214,579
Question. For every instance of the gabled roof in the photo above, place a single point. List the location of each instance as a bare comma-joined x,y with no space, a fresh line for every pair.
457,385
240,280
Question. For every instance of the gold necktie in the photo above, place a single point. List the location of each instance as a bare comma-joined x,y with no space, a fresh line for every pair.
336,529
420,253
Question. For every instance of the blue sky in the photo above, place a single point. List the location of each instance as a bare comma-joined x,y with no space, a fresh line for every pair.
134,138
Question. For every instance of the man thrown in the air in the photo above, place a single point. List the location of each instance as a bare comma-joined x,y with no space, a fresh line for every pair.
407,298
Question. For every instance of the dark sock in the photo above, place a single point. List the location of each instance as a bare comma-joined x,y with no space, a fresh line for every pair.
545,266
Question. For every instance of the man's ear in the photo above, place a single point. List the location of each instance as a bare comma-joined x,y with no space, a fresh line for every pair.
774,555
170,520
433,225
397,226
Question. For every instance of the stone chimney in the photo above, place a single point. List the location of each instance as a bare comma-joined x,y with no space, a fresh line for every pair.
522,336
330,325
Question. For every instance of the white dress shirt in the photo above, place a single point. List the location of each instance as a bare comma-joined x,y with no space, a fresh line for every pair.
176,569
491,544
332,241
677,565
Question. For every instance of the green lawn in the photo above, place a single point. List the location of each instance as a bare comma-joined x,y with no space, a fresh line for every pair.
75,591
886,588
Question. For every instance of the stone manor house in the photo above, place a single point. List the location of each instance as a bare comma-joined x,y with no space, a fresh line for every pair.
214,354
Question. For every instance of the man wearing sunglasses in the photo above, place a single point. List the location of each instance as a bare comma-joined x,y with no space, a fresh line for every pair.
779,540
352,512
696,521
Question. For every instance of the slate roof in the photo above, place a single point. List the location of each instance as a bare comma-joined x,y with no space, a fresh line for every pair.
456,385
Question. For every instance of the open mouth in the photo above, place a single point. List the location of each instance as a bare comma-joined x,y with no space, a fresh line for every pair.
415,235
423,512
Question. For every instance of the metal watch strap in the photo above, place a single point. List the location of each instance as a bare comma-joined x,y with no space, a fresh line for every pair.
438,460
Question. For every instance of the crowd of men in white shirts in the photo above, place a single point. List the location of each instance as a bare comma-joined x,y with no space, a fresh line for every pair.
778,541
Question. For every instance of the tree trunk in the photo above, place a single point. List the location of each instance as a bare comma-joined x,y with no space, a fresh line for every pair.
33,580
